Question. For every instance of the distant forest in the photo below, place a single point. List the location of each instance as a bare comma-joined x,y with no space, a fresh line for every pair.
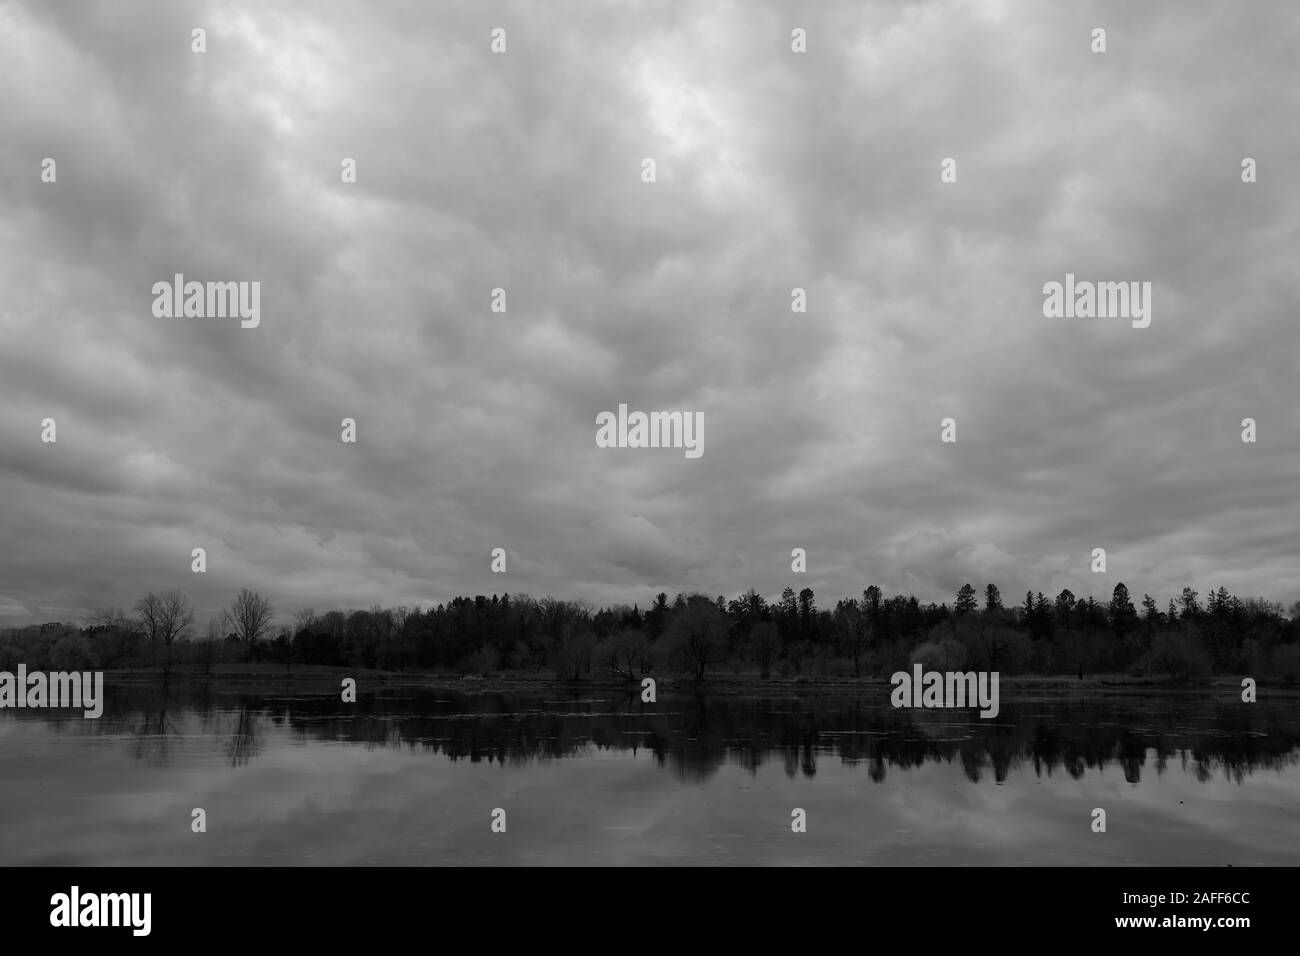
698,637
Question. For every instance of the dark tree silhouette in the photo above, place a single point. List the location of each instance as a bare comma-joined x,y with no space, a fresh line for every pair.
250,616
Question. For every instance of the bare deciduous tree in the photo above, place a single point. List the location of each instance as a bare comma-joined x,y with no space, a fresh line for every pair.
764,646
698,634
149,608
303,619
250,617
177,616
111,618
165,618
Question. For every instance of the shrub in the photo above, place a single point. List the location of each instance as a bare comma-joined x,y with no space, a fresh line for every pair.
942,655
1286,663
1180,656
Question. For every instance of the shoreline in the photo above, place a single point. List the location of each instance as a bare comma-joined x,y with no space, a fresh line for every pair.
326,680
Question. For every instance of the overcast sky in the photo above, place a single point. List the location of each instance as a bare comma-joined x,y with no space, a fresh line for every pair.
522,170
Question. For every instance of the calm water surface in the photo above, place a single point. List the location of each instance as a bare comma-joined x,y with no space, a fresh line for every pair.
412,777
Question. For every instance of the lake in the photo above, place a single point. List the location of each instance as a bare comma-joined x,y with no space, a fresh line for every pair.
412,775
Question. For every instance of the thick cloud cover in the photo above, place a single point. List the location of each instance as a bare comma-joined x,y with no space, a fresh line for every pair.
522,170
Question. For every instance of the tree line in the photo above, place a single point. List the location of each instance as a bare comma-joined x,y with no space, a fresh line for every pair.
699,637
